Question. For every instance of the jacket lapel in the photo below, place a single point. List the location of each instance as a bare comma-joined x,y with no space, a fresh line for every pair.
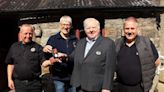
82,50
98,41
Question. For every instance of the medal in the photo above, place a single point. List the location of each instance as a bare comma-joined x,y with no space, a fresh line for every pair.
98,52
33,49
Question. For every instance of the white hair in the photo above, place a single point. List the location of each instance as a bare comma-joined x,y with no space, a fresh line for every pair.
66,18
89,20
26,25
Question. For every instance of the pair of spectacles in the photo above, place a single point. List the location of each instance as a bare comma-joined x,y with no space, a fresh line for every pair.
128,28
63,24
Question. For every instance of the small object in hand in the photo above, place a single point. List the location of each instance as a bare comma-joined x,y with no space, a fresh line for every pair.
55,53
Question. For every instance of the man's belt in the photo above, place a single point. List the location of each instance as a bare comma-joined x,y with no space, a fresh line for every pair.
27,80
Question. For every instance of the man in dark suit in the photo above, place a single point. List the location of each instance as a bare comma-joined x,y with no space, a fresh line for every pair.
94,60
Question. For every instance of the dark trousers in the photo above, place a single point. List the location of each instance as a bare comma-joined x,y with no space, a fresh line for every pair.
28,85
47,83
126,88
78,89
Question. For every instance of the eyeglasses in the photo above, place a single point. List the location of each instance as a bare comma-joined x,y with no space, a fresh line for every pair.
128,28
64,24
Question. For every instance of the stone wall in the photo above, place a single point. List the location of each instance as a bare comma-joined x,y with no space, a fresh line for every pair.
113,29
47,30
147,27
161,32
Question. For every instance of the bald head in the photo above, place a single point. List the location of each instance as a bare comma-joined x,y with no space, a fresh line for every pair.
131,29
131,19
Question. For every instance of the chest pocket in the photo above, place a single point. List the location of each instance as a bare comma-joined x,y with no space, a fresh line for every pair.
32,55
15,56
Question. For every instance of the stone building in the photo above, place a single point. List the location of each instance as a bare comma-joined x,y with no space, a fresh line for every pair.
45,14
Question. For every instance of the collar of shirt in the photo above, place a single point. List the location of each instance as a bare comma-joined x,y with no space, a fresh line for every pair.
89,45
91,40
60,37
25,45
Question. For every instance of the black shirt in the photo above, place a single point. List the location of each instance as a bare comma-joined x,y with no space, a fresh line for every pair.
128,65
27,59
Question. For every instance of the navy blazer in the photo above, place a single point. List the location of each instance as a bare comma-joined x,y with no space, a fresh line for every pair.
94,72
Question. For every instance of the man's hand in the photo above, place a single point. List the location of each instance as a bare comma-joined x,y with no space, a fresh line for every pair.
10,69
47,49
60,55
157,62
11,84
51,61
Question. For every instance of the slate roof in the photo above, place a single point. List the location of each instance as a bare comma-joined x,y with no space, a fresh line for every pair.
23,5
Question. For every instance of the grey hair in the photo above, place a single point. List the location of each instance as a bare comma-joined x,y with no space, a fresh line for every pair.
91,19
26,25
66,18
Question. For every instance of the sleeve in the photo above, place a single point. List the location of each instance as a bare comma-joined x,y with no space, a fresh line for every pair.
71,56
76,68
9,59
50,41
110,67
155,52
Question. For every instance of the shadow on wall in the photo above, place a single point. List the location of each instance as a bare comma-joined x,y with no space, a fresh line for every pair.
3,74
8,35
